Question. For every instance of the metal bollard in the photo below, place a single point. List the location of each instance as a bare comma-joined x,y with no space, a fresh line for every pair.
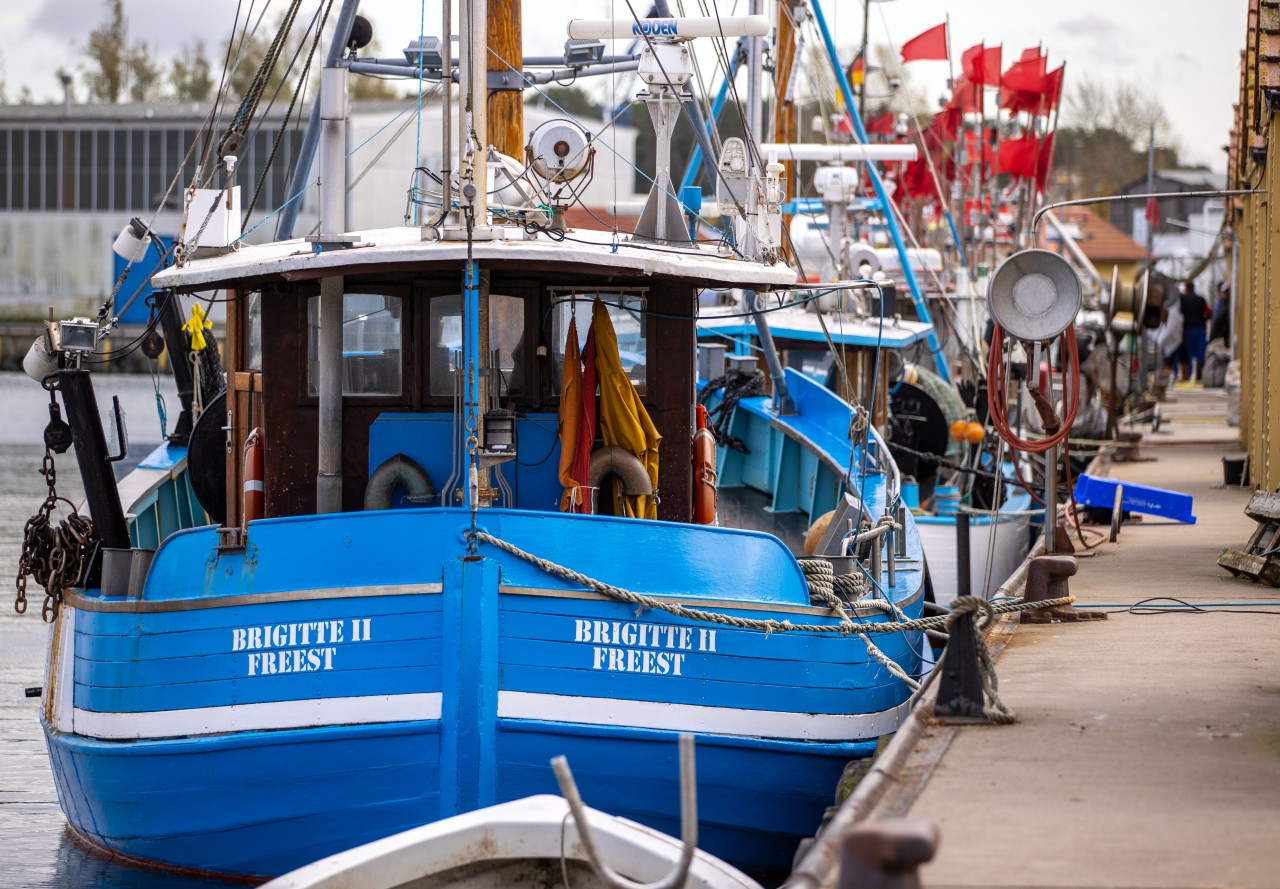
1048,578
887,854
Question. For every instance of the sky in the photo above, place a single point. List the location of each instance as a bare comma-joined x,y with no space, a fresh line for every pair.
1185,52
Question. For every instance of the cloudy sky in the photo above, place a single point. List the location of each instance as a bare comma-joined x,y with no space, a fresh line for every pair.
1185,52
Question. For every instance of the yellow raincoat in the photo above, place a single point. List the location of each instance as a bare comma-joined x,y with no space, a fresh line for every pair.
623,420
570,408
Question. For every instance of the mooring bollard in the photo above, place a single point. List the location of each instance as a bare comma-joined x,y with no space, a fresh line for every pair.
887,854
960,696
1048,578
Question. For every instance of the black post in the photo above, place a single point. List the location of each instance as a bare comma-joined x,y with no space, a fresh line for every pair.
179,363
91,453
960,686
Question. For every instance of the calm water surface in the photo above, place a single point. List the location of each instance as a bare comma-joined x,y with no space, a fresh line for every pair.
35,851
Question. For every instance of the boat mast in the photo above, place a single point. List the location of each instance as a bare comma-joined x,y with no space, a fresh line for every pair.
307,153
782,398
504,58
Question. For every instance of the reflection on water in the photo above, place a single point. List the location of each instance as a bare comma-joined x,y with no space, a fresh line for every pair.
35,851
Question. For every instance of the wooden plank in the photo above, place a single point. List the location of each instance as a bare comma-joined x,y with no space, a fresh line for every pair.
1238,562
242,379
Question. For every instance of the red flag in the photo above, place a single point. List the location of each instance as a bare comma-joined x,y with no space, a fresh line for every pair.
1017,100
1030,54
1153,212
981,65
884,125
1043,160
1017,157
971,67
945,125
1027,76
965,95
991,66
932,44
1053,88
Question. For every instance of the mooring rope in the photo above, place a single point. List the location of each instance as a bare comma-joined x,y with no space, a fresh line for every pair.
821,579
770,625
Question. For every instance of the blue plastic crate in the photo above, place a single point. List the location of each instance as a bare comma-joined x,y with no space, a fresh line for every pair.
1094,491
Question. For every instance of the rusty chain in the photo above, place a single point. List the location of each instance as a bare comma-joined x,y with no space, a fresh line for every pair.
53,554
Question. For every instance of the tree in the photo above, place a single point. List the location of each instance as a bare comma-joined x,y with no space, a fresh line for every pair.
107,50
1101,144
574,100
1120,106
144,75
191,74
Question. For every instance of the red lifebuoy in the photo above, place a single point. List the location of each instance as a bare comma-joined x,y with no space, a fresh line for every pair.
254,492
704,472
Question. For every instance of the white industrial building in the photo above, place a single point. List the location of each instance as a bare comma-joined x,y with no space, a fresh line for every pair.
72,175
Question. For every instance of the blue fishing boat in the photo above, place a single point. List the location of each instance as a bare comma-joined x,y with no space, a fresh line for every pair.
409,556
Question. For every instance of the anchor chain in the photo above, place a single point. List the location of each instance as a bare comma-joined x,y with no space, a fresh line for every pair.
54,554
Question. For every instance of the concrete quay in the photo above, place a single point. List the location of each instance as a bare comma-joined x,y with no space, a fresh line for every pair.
1147,747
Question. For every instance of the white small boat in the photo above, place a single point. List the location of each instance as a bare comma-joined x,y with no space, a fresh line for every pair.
529,842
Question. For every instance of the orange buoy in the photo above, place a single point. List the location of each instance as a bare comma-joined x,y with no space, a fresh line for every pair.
254,491
974,433
704,472
959,429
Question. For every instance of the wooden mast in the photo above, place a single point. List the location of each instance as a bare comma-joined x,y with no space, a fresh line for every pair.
506,115
784,112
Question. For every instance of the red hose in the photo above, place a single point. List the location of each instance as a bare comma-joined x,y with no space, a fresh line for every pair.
997,387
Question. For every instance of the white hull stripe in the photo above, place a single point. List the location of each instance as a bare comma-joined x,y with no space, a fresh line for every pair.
256,717
511,705
693,717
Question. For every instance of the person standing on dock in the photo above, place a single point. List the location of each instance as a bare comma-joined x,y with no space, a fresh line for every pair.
1195,317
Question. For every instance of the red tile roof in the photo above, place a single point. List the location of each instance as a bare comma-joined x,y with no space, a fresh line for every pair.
1102,241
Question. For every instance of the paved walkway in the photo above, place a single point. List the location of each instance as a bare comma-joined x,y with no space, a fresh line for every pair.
1147,747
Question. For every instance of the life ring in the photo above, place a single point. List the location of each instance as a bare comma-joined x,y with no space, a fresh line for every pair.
623,465
704,472
398,472
254,491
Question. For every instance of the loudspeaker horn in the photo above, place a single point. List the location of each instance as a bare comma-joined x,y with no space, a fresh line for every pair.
1034,295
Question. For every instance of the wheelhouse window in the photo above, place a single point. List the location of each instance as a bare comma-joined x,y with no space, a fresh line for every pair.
371,344
506,343
253,341
626,311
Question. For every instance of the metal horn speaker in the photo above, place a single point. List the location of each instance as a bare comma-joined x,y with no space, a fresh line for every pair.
1034,295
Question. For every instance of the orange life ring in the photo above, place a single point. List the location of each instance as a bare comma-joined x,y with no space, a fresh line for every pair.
704,472
254,492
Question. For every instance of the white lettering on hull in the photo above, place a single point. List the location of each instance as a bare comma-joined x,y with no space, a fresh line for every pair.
635,647
303,647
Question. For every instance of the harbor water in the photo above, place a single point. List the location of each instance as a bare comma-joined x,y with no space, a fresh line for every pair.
37,851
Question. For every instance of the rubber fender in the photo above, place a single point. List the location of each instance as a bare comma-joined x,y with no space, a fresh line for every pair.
618,461
397,472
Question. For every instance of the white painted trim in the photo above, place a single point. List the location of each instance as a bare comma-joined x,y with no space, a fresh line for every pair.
257,717
60,669
697,718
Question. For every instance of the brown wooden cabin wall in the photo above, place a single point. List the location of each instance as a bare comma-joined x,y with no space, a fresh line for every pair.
290,418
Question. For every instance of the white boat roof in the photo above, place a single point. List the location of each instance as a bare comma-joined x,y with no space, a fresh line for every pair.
403,247
800,324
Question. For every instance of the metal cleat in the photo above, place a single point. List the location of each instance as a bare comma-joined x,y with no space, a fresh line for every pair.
887,854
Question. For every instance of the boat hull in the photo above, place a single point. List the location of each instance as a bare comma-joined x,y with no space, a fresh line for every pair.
247,730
